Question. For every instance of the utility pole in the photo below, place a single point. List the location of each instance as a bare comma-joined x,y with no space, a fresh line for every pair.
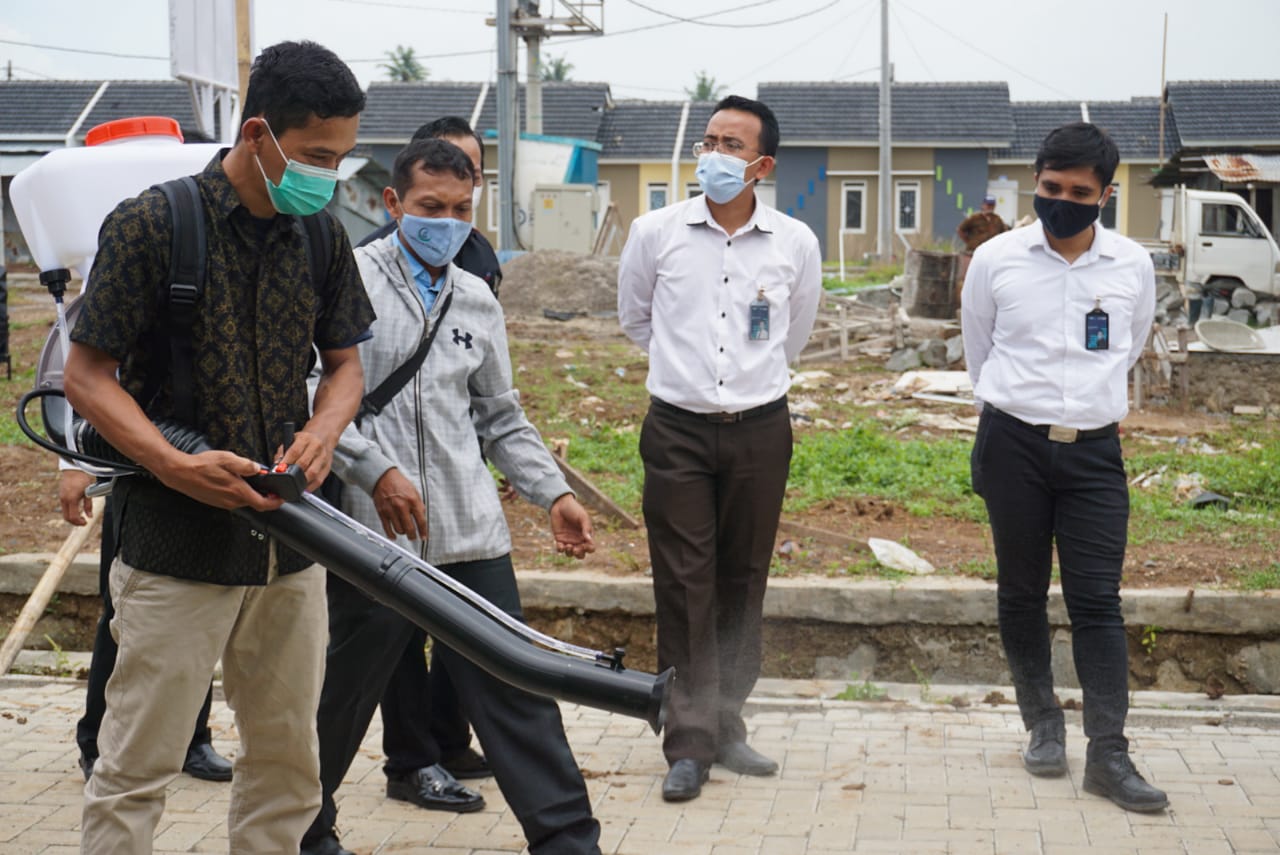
506,127
1164,53
533,33
244,43
884,222
523,19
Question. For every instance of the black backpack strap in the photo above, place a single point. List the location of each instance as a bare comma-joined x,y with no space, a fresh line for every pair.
373,402
181,292
319,232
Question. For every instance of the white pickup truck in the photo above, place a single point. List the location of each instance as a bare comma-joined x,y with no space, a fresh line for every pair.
1214,243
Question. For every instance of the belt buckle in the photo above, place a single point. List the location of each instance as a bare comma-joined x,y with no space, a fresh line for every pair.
722,418
1058,433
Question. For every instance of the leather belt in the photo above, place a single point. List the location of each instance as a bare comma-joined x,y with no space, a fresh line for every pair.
1060,433
722,418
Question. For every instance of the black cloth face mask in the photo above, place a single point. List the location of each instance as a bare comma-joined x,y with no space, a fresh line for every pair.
1063,218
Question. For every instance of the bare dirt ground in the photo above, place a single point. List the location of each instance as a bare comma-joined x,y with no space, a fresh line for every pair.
822,538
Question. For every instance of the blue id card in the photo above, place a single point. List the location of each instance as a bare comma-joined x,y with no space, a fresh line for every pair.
1097,329
758,318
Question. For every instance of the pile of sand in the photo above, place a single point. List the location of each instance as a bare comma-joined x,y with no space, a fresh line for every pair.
559,281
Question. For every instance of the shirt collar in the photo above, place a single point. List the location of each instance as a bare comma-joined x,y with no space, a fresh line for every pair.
1104,241
218,188
700,214
421,275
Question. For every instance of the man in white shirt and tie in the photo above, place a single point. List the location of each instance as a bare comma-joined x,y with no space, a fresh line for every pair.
1054,315
722,292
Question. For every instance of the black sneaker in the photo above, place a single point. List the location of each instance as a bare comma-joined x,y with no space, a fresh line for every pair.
1046,754
1114,777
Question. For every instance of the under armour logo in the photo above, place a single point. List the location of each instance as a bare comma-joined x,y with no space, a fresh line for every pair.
459,338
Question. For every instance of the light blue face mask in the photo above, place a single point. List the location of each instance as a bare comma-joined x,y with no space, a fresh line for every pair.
303,189
435,240
721,176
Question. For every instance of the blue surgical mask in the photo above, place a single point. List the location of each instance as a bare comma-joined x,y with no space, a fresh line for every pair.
435,240
303,189
721,176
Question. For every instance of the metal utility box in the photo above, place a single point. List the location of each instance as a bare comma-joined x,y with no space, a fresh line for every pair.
564,217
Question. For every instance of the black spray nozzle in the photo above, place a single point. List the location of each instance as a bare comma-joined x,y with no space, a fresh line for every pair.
56,281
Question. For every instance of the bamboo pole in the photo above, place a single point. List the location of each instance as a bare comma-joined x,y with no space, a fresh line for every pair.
46,587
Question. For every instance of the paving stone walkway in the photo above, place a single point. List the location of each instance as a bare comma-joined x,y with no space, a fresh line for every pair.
907,776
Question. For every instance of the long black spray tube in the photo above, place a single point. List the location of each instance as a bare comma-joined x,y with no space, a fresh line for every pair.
393,577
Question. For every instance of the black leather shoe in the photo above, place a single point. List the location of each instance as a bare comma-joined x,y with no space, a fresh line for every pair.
1115,778
434,789
468,765
742,758
684,781
86,765
1046,754
206,764
327,845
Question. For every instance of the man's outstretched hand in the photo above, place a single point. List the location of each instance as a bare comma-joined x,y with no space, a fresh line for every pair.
571,527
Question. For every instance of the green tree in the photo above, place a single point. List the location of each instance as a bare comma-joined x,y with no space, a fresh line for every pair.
705,88
555,69
403,65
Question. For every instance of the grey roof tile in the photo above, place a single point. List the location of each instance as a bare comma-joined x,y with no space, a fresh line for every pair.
125,98
1135,127
1133,124
39,107
1217,112
1032,121
922,112
395,110
646,130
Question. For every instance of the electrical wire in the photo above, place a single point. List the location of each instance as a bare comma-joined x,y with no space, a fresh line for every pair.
807,41
907,36
862,31
695,19
82,50
701,23
412,7
989,56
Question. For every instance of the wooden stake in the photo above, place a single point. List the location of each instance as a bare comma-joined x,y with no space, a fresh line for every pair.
45,588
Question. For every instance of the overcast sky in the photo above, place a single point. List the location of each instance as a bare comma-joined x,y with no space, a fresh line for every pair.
1046,50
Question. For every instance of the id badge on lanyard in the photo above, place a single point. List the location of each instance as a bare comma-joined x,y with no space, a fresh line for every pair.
758,318
1097,328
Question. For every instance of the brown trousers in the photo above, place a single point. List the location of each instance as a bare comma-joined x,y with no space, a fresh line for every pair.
712,497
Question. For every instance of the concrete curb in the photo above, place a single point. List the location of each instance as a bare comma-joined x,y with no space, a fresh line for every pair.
935,600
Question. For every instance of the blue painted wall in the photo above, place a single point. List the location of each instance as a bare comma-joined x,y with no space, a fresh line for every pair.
963,178
801,178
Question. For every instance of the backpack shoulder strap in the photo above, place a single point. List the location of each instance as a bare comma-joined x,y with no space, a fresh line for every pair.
319,233
182,290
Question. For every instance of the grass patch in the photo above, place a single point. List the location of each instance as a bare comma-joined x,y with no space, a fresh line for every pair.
929,477
1262,580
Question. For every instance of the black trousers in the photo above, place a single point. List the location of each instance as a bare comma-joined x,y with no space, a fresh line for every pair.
1039,494
521,734
103,660
410,739
712,498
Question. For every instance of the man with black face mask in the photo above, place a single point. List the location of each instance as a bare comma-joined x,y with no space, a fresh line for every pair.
1054,315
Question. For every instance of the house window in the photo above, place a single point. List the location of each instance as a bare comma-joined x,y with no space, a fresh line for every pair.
657,196
853,201
491,206
909,206
692,190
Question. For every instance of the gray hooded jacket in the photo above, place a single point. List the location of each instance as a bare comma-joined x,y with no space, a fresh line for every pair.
429,431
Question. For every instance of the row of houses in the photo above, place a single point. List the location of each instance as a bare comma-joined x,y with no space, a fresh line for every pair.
952,144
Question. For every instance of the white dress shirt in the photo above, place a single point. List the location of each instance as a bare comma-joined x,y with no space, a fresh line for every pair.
1023,313
685,287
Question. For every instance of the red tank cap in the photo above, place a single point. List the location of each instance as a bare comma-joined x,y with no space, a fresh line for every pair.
137,126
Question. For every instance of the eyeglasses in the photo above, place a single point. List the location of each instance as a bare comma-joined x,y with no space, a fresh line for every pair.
729,146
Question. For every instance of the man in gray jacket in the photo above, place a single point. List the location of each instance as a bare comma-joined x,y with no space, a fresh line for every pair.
416,469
